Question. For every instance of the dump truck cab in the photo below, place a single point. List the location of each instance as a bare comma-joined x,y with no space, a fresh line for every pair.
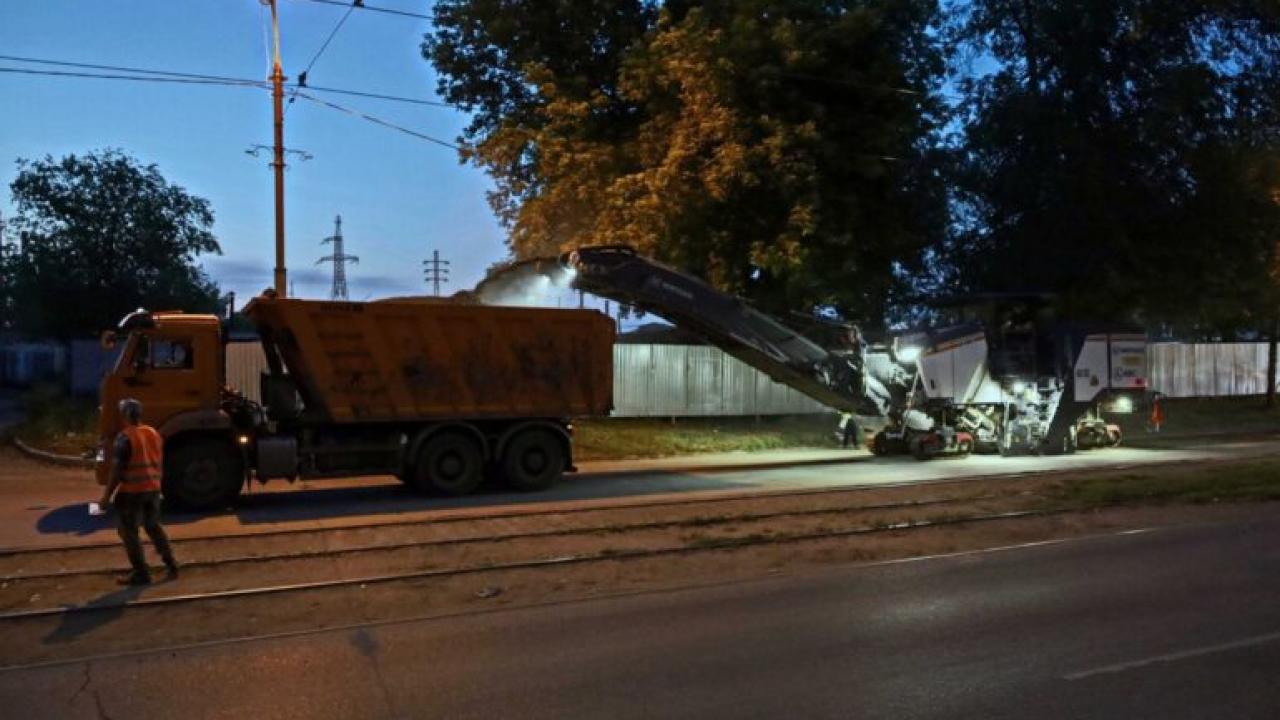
173,364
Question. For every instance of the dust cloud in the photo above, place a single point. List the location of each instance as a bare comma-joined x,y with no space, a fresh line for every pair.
531,283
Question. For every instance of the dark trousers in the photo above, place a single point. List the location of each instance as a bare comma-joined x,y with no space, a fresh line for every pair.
850,436
132,510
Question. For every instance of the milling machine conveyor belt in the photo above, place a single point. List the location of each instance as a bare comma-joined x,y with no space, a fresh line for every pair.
618,273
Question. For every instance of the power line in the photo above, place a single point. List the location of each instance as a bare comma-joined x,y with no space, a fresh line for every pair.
360,4
302,78
98,76
139,71
378,96
219,78
379,121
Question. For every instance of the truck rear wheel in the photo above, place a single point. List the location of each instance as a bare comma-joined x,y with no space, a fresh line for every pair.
449,464
533,460
203,474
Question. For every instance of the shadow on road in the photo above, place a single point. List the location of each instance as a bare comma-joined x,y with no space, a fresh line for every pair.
317,502
394,498
106,609
73,520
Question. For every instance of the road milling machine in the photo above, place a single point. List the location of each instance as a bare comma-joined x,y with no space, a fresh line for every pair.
999,373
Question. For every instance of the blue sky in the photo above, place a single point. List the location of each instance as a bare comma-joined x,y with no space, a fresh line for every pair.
399,197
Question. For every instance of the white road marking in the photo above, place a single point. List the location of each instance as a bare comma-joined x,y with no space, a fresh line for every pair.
1174,657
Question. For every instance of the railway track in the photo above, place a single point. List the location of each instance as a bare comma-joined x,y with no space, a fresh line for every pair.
335,558
182,547
327,568
9,557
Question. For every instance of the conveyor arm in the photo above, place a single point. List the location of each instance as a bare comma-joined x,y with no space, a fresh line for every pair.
618,273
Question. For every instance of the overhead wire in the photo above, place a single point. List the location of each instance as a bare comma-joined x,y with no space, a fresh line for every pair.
220,78
121,68
302,76
378,121
140,78
328,40
372,8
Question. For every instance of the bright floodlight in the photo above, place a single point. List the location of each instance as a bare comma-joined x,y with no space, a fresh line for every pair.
1019,387
1122,404
908,354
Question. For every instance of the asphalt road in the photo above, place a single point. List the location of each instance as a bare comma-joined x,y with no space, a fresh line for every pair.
40,513
1172,624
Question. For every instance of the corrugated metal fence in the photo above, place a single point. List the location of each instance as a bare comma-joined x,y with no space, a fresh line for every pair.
684,380
694,380
648,381
1207,369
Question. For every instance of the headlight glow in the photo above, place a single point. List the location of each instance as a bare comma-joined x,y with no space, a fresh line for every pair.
908,354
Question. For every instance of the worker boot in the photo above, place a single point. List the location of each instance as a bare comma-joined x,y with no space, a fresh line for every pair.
171,569
135,578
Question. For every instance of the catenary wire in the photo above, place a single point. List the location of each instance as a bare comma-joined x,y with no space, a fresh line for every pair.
372,8
140,78
378,121
222,78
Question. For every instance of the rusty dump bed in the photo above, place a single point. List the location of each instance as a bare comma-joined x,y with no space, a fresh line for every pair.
418,359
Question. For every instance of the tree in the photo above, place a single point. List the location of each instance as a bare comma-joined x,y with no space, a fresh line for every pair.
101,235
782,149
1123,154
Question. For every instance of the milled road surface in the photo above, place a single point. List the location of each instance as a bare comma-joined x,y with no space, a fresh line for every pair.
42,505
1172,623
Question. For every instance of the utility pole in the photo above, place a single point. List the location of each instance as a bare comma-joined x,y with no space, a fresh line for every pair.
339,258
436,271
277,107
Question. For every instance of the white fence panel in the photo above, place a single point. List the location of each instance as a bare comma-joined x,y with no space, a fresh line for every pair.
1207,369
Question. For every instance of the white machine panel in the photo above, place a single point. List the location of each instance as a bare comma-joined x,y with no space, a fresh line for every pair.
1117,362
955,369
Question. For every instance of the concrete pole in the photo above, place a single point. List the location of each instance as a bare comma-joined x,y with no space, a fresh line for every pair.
277,103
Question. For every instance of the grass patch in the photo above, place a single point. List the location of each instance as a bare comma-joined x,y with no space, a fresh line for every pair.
57,423
626,438
1193,416
1246,482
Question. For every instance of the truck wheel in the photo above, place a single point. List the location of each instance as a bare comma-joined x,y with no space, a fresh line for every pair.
533,460
880,444
965,448
918,449
202,475
449,464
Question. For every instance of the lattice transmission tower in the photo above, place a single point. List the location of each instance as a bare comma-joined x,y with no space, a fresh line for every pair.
339,258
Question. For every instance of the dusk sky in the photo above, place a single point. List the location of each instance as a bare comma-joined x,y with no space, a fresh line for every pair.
400,197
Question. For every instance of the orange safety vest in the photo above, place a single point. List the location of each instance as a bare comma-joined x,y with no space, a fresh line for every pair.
146,460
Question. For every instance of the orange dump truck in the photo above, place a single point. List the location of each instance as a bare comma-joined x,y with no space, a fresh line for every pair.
439,393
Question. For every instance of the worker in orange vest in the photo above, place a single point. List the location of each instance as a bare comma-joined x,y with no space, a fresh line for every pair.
135,482
1157,413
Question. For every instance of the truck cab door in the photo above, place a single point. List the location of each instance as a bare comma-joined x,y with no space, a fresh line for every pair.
164,374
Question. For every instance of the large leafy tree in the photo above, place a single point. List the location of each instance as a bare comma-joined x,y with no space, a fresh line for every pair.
99,235
780,148
1125,154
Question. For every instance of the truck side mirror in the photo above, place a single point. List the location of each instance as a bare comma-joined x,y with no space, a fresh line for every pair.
141,355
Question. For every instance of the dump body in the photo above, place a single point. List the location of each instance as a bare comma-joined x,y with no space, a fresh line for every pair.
409,360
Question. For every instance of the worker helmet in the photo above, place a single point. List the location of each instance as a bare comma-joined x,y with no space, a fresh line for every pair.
130,409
